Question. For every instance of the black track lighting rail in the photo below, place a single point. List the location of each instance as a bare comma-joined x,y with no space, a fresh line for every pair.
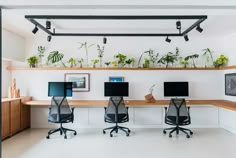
199,18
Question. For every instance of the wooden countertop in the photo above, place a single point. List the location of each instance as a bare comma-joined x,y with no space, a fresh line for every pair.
23,98
101,103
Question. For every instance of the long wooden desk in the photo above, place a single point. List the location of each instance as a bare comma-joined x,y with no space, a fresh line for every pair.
86,103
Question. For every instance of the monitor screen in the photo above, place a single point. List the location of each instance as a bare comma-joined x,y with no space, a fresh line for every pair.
119,89
175,89
60,89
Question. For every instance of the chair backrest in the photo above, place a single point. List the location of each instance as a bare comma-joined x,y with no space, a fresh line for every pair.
177,107
59,106
116,101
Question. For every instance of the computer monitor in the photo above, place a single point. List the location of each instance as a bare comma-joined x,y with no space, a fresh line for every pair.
176,89
62,89
116,89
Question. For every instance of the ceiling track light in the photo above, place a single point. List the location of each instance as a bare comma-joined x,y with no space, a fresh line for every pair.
186,38
49,38
178,25
35,30
104,40
48,24
168,40
199,29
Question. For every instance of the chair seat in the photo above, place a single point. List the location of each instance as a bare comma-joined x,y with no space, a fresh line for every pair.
120,117
64,118
183,120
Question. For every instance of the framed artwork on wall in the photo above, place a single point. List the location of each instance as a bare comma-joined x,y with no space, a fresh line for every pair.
116,79
230,84
81,81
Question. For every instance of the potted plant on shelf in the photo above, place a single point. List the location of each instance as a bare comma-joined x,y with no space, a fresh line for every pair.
72,62
55,57
86,46
146,63
168,58
184,63
80,61
153,58
41,51
120,59
114,63
130,61
95,61
208,55
100,53
220,61
107,63
32,61
194,56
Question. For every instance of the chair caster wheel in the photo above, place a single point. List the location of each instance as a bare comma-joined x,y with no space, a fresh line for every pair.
75,133
104,132
191,133
47,137
129,131
127,134
116,131
65,137
187,136
170,136
164,132
111,135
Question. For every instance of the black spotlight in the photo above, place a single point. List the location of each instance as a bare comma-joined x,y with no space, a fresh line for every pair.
35,30
186,38
48,24
49,38
104,40
178,25
199,29
168,40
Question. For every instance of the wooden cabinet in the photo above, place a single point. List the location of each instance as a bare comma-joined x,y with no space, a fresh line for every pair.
5,119
25,113
15,116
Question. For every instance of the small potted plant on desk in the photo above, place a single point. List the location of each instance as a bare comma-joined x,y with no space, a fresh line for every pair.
32,61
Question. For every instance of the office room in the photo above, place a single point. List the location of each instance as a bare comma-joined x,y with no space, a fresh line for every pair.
118,79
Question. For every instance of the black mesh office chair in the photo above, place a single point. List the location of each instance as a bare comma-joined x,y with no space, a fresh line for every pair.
177,114
60,112
116,112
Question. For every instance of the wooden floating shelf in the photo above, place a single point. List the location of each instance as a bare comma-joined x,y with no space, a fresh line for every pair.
125,68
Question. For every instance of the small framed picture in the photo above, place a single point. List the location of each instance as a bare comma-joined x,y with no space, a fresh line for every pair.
81,81
116,79
230,84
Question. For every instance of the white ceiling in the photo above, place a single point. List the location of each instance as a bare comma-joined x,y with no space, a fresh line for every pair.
220,21
117,2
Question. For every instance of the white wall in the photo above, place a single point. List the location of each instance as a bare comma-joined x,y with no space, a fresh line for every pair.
13,46
6,77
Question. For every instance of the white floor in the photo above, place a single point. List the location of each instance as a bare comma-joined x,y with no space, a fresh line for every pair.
142,143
